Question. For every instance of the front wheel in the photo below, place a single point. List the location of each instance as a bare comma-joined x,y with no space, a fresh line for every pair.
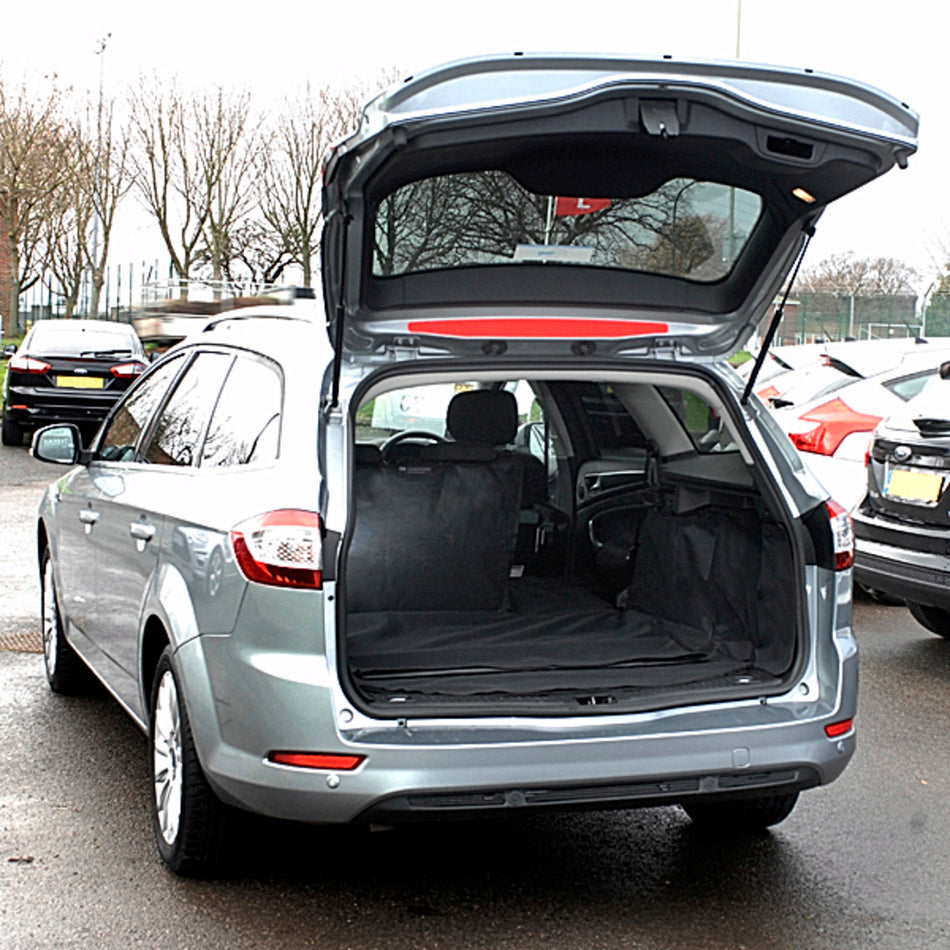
743,815
192,826
934,619
65,671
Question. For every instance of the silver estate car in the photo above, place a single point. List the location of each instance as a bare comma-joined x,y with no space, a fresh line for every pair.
491,525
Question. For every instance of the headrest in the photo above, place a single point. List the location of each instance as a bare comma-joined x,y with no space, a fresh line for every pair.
365,453
483,415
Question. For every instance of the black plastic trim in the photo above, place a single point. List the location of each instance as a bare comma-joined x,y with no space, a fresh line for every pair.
477,803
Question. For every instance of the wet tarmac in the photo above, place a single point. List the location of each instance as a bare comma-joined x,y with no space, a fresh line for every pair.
862,863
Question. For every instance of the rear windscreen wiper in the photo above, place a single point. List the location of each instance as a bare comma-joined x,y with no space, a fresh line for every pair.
122,351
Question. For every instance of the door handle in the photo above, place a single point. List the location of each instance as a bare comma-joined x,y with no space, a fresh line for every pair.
88,517
142,531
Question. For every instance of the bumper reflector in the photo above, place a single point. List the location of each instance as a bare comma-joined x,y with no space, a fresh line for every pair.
317,760
835,729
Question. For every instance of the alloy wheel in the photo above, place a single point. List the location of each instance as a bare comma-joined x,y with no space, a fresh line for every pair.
167,758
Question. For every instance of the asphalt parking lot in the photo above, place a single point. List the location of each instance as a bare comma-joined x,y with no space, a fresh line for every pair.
860,864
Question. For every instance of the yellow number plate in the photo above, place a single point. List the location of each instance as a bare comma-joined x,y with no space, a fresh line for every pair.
914,486
80,382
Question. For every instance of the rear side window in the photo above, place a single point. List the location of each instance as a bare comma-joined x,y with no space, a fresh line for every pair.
176,438
911,386
245,424
132,415
700,420
614,431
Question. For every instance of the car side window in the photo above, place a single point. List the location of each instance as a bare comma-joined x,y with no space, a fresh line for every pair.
132,415
701,421
245,425
910,386
176,437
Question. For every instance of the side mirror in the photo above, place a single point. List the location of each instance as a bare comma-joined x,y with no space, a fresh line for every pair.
61,444
8,351
945,370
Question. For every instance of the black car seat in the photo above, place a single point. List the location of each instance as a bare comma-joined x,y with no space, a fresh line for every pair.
439,532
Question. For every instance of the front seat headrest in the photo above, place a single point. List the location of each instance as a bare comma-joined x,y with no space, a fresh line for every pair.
483,415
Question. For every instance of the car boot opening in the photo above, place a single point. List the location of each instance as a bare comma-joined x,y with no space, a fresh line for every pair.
559,546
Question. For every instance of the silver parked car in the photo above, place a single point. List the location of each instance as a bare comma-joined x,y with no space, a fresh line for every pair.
499,529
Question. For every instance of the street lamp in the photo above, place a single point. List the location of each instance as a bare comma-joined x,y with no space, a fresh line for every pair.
100,52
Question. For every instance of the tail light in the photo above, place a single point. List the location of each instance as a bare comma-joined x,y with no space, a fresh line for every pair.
128,370
28,364
281,549
331,761
836,420
835,729
842,535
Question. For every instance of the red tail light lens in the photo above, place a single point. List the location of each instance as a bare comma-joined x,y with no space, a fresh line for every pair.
281,549
317,760
835,729
28,364
128,370
842,535
836,420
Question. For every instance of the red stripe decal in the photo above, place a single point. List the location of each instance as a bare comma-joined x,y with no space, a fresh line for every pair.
537,328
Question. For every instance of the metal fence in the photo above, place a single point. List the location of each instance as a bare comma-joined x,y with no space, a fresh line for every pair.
813,317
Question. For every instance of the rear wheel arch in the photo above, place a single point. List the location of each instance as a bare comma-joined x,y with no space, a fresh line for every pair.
42,543
154,641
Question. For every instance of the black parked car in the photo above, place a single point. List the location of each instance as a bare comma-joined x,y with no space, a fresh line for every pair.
903,526
68,371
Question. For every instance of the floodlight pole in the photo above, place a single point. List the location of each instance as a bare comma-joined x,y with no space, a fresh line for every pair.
100,52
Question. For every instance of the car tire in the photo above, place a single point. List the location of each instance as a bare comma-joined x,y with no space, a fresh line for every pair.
65,671
745,815
11,433
192,826
935,619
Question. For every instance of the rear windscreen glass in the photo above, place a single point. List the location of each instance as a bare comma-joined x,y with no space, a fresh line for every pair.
685,228
59,341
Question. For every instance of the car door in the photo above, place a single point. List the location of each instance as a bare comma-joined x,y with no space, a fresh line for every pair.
79,504
133,528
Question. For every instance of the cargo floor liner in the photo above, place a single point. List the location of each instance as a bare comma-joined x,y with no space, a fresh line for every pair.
551,636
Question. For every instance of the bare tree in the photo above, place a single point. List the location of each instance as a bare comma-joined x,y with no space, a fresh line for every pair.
290,167
165,170
227,141
192,161
107,178
69,225
32,167
849,276
252,252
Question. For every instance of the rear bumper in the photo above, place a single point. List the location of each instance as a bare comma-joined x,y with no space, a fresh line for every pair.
908,561
458,768
31,410
433,782
912,575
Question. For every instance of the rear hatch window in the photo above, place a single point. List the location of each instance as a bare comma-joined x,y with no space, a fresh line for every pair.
688,228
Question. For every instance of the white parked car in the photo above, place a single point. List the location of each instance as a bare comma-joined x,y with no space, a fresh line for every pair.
833,430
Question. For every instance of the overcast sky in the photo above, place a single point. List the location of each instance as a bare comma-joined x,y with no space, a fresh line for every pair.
901,47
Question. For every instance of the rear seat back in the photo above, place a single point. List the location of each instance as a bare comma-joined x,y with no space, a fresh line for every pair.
439,533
